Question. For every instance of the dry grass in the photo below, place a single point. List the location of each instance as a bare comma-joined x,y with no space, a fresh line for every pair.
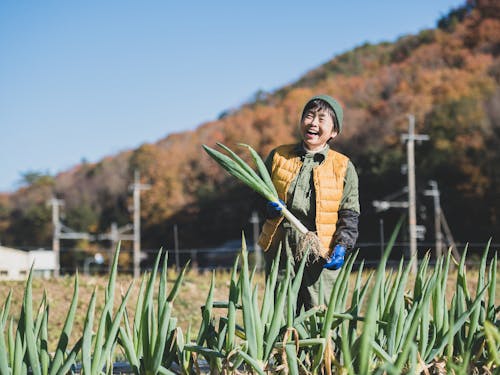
186,307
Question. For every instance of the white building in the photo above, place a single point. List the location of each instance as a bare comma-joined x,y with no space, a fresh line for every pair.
16,264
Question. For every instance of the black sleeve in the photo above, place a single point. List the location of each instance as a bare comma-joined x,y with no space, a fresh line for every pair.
259,204
347,229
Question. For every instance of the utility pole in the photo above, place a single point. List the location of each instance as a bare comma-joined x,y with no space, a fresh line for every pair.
410,139
136,187
254,219
382,241
434,193
449,237
176,249
441,224
56,203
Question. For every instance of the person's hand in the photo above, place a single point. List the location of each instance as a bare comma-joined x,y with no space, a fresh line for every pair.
273,209
336,260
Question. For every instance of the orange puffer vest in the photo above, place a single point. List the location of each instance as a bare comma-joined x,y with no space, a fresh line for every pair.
328,186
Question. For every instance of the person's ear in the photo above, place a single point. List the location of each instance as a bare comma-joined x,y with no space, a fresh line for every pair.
333,135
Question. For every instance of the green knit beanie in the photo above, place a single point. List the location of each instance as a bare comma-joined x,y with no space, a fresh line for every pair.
337,108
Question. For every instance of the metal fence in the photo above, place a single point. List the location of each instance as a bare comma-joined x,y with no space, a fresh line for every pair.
221,258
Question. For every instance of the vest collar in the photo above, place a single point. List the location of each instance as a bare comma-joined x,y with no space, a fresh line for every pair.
318,156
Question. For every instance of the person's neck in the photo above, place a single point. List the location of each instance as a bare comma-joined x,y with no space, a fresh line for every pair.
313,151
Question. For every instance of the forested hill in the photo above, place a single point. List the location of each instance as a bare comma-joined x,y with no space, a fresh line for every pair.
447,77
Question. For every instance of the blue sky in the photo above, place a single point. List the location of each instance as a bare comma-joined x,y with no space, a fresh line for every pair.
81,80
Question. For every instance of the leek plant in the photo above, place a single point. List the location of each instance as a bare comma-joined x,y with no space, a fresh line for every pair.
209,341
492,334
184,356
149,344
263,328
98,350
394,325
227,345
217,343
27,347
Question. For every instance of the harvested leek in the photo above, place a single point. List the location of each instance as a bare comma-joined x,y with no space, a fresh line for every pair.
261,183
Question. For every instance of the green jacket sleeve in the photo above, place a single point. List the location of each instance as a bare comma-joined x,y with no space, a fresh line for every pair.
346,232
350,196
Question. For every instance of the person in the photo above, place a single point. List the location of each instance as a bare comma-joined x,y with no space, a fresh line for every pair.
320,187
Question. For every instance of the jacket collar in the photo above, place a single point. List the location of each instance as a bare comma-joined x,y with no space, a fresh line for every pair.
318,156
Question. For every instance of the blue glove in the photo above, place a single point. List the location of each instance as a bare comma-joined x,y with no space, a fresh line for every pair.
273,209
336,260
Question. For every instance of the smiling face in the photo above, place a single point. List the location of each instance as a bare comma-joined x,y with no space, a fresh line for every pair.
317,128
